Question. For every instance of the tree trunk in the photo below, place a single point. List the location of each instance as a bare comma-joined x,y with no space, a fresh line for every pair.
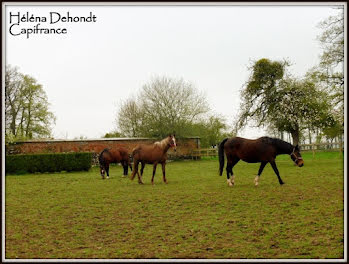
13,124
295,137
309,135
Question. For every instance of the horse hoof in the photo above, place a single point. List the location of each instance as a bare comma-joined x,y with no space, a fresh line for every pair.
281,183
140,182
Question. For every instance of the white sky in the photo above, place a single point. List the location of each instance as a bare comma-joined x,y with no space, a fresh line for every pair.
89,71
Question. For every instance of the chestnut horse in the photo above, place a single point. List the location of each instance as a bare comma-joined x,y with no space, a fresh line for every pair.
263,150
108,156
152,154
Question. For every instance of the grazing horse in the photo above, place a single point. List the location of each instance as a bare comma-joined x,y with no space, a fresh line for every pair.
152,154
263,150
108,156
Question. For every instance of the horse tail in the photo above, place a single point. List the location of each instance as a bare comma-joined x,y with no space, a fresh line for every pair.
221,156
134,151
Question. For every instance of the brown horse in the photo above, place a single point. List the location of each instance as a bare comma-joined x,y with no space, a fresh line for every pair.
152,154
263,150
108,156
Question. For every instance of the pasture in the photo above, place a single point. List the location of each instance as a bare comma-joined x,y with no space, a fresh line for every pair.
196,215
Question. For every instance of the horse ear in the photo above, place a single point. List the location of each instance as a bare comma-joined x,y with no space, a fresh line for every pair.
296,147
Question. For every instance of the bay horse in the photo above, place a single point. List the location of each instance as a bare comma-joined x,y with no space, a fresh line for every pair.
263,150
114,155
152,154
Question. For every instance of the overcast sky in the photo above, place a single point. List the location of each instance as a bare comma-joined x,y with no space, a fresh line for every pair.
87,72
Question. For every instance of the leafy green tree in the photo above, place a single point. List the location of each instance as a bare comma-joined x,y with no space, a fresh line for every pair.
27,107
13,94
260,90
272,99
329,74
299,106
113,134
211,130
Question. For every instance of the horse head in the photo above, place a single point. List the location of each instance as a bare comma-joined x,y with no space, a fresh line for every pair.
172,141
297,157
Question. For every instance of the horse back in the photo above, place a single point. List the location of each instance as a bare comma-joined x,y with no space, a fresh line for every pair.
124,154
114,155
149,153
250,150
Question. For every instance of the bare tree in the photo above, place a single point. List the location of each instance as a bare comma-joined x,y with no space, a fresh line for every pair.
164,105
170,105
129,118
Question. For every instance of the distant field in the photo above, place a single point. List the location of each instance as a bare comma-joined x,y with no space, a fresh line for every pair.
79,215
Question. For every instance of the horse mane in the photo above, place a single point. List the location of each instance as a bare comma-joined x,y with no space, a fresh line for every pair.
162,142
104,150
278,143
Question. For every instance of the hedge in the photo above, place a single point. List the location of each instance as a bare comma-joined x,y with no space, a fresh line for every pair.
52,162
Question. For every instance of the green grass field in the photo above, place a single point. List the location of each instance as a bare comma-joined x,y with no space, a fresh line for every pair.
196,215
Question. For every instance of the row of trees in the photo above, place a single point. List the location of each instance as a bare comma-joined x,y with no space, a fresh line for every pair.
275,99
167,105
271,97
27,114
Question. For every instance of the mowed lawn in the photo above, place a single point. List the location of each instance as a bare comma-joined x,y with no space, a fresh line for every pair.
196,215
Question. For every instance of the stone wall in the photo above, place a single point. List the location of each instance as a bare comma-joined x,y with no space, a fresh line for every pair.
185,146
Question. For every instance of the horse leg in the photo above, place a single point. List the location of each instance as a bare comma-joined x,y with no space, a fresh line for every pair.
129,164
229,171
154,170
273,164
140,177
125,166
163,172
142,168
135,169
107,170
102,170
256,179
230,165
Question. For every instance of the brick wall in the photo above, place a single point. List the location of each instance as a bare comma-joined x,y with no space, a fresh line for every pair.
185,146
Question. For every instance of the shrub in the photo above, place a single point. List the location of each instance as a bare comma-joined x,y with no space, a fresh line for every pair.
52,162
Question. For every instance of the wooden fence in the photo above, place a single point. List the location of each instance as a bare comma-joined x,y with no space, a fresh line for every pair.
315,147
